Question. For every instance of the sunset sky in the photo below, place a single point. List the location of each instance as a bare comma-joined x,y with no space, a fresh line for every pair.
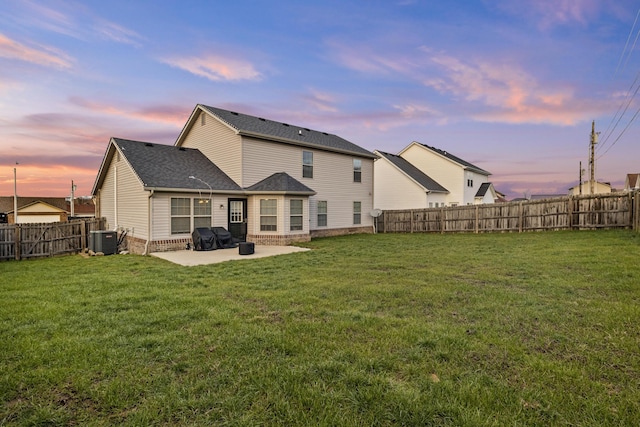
509,85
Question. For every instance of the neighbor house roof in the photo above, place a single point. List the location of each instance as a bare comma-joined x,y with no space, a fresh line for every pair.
414,173
167,167
287,133
6,202
632,180
484,187
458,160
280,183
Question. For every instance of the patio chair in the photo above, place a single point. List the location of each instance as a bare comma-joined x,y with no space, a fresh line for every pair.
204,239
224,238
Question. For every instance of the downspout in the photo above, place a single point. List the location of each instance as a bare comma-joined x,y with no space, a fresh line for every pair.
146,245
115,197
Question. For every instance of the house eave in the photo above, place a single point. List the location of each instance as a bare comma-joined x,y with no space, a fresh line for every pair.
192,190
280,193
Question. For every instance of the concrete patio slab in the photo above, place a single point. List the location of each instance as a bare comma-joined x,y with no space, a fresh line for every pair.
190,258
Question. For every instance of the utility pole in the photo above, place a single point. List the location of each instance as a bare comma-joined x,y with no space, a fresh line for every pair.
72,203
592,160
15,196
580,178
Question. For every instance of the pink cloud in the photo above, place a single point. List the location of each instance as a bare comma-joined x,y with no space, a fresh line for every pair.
321,101
45,56
168,114
551,13
513,95
216,67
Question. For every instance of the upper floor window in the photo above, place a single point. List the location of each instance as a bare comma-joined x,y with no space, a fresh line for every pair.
295,215
307,164
357,170
357,212
268,215
469,183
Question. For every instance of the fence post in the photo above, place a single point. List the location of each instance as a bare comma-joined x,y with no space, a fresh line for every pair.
476,225
442,220
83,236
411,221
570,212
17,242
520,219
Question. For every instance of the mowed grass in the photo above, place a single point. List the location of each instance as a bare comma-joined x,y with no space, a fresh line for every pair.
366,330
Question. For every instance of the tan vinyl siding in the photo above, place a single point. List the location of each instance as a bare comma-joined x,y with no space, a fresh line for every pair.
332,178
162,213
107,197
395,190
132,202
253,222
219,143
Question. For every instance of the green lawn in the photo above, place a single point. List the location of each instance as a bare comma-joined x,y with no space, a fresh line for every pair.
442,330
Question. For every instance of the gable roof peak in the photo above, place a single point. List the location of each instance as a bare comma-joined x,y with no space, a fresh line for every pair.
271,130
453,158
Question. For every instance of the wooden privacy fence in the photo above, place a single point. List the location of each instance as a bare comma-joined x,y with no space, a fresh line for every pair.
615,210
23,241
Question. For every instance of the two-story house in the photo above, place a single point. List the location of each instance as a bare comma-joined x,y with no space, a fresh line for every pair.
420,176
265,181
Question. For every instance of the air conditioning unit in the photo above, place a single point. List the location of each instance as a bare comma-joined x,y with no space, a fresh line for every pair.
103,241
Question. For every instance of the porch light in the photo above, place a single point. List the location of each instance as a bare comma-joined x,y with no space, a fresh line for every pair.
205,183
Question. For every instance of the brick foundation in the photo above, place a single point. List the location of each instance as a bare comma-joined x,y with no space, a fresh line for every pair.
341,231
136,245
275,240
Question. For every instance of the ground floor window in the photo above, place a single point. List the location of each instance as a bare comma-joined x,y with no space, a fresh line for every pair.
201,213
268,215
295,215
357,212
186,211
322,213
180,215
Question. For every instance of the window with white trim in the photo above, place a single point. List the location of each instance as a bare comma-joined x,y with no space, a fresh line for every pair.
307,164
180,215
201,213
469,183
357,170
322,213
357,212
295,215
268,215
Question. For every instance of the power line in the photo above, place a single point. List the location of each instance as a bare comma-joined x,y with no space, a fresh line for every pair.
627,44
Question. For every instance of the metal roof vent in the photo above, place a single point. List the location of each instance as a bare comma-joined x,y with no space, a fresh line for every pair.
299,131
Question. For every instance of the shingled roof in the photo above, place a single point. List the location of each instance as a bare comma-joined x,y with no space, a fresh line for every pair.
287,133
160,166
413,172
484,187
280,183
458,160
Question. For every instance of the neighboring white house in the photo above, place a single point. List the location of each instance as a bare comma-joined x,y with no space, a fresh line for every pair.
421,176
265,181
400,185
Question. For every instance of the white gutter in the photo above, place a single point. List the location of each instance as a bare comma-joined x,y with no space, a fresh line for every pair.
149,236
